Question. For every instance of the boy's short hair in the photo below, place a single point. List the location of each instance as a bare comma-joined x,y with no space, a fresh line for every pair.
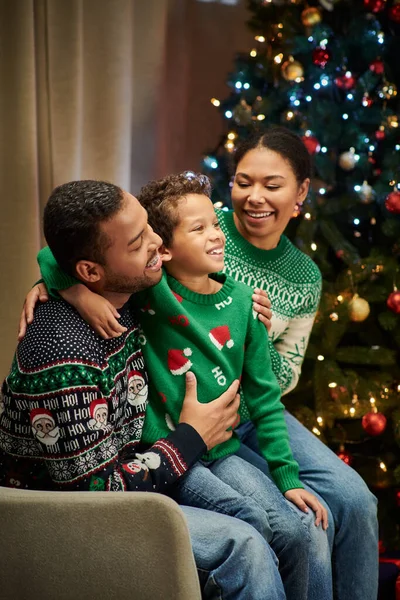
161,198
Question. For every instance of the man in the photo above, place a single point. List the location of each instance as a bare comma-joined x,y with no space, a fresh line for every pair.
66,378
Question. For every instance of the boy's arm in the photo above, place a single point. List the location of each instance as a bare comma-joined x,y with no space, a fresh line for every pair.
53,276
262,397
94,309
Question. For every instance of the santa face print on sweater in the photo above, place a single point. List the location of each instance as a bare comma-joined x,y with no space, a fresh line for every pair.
137,391
99,415
44,427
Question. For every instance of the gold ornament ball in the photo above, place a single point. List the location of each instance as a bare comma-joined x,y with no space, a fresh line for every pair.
359,309
347,160
311,16
292,70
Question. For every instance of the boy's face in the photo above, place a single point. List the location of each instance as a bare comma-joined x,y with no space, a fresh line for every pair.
198,242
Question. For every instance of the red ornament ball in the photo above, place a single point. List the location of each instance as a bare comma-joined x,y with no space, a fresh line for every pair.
320,57
394,13
345,457
380,135
340,253
392,202
345,82
374,5
373,423
393,302
398,498
377,66
311,143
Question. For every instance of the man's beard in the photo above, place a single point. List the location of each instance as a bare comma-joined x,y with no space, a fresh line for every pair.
125,285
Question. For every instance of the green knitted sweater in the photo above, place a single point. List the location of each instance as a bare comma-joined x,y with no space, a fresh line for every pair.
219,338
293,283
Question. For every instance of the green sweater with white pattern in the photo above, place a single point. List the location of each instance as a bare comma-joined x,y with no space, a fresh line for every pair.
293,283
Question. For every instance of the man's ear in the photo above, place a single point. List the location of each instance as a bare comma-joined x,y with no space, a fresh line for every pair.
165,253
88,271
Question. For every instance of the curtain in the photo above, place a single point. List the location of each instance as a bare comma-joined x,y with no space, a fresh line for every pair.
117,90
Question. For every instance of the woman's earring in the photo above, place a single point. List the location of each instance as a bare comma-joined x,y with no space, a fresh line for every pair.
297,210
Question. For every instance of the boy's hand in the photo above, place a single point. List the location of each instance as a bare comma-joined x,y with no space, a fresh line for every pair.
95,310
210,420
37,293
262,305
301,498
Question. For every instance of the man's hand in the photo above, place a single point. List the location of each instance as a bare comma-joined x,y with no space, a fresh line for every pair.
37,293
210,420
262,305
302,498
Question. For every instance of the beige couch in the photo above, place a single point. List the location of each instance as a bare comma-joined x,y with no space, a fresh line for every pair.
94,546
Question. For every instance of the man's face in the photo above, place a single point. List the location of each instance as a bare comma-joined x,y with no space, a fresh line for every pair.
132,261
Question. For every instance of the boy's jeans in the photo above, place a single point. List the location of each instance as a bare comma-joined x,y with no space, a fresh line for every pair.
234,487
353,525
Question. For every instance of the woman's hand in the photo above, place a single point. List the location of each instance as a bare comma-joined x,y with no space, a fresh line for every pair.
302,499
262,305
37,294
95,310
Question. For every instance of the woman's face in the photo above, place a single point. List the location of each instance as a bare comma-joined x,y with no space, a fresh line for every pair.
264,194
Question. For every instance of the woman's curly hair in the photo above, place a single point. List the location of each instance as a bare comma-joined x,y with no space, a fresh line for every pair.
161,198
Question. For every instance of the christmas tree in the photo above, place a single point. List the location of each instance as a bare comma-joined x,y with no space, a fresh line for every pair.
329,71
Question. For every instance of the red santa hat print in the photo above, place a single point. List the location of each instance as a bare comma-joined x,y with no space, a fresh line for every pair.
220,337
178,363
135,374
96,404
40,413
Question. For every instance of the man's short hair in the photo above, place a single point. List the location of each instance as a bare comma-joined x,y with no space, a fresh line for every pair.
161,198
72,217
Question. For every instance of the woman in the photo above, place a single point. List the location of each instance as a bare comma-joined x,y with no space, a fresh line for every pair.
272,175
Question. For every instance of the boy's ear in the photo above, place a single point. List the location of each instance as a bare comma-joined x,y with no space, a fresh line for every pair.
165,253
88,271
